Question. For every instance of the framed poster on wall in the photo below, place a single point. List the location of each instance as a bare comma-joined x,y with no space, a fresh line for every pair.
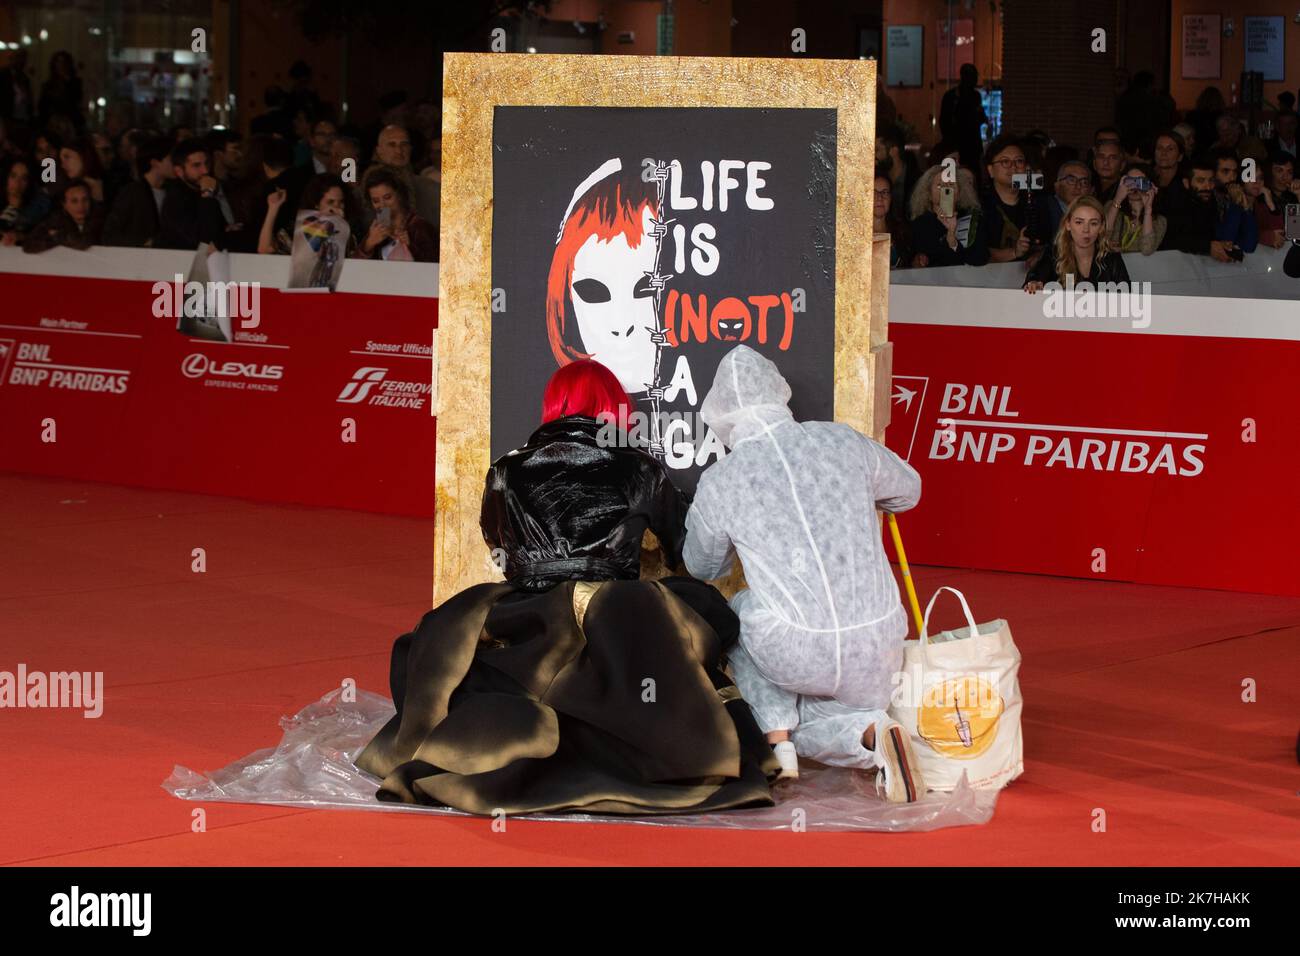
1201,47
904,56
1265,46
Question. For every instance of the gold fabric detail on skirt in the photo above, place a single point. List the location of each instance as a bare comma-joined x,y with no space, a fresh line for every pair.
583,592
526,702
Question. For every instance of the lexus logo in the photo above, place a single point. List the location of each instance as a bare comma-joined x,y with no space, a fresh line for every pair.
194,365
197,365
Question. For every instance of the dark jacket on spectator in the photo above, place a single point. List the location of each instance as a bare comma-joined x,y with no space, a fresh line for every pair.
293,181
930,238
1002,224
1170,195
1196,224
189,219
1108,193
1055,213
60,229
133,220
1275,145
62,98
961,114
1107,268
15,84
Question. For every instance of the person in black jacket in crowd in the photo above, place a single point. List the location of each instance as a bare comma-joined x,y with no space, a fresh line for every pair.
1172,195
76,223
17,104
961,114
941,240
1213,222
62,93
1081,250
191,213
1015,219
281,174
22,204
136,216
898,164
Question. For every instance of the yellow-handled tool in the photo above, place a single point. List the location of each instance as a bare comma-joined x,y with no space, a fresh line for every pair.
907,573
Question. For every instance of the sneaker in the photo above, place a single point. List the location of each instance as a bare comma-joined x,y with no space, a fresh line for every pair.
788,759
899,780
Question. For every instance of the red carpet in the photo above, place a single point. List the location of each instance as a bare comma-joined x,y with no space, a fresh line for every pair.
1132,702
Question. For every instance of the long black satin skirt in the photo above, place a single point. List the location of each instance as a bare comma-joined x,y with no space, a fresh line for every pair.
601,697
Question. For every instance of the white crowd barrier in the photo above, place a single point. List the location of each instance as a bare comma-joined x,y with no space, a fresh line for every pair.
1258,276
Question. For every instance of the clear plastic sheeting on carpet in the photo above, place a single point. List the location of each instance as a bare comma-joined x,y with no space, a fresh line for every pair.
312,767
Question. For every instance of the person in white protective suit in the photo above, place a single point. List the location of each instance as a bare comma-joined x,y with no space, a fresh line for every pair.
822,624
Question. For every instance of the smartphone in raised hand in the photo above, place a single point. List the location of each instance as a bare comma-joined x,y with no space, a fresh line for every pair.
947,201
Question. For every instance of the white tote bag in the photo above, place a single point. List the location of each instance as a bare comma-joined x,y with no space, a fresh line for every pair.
959,698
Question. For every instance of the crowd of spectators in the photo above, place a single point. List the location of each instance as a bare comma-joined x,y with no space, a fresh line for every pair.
1155,180
1201,183
68,185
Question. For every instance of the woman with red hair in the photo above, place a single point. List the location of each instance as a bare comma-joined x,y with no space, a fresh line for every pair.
574,685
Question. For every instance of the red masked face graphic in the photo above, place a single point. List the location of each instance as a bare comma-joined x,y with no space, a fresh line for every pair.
600,303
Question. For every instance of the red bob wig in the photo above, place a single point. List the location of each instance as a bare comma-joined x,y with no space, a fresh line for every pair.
584,387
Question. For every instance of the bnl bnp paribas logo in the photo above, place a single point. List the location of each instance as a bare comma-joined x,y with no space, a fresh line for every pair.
372,385
983,423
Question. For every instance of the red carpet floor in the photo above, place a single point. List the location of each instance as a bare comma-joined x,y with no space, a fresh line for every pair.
1133,702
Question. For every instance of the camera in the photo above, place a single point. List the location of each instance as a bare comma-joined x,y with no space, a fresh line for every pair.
1029,181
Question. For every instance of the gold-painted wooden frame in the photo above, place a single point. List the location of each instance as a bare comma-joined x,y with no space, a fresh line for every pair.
475,83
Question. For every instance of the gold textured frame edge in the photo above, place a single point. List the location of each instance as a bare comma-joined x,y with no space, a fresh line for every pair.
473,85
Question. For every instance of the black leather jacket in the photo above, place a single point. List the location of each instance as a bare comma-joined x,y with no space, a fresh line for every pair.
563,508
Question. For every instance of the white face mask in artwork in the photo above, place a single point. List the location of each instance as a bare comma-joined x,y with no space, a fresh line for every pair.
614,304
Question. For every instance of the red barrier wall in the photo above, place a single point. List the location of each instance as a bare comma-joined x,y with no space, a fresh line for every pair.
1051,419
135,402
1216,510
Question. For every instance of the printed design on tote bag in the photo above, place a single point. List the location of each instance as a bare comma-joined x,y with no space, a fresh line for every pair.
959,717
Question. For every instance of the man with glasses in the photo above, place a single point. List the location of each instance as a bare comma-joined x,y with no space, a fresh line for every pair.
1017,219
1073,180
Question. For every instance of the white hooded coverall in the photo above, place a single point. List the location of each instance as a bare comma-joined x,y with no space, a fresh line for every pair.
821,624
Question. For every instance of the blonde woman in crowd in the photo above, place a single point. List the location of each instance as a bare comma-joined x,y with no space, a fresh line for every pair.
1081,250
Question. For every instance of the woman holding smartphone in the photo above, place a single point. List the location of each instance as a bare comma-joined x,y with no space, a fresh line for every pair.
946,221
1132,224
396,233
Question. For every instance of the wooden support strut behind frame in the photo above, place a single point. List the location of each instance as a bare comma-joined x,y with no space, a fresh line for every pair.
473,85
